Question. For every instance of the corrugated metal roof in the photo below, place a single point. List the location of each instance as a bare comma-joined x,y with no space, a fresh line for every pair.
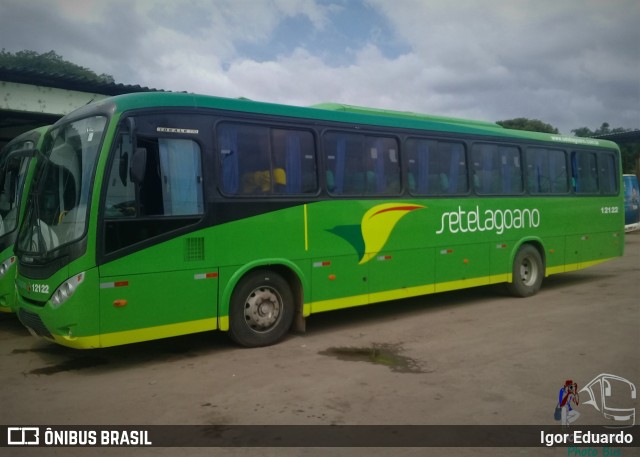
632,136
70,82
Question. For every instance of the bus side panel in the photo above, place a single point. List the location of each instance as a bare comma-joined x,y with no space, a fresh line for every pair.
574,245
338,282
462,266
500,261
555,254
7,286
599,246
585,249
130,302
404,273
160,289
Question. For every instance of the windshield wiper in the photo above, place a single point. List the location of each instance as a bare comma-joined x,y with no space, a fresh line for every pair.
36,211
32,243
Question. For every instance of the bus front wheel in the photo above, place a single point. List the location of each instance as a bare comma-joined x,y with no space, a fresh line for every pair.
528,271
261,309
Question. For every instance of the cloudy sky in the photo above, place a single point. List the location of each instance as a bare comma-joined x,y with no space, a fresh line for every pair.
570,63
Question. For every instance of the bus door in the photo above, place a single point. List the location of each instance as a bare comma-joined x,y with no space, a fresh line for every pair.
159,278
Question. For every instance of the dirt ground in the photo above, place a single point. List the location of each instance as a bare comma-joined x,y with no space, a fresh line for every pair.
475,356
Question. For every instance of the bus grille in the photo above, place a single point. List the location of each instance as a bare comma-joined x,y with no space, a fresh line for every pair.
33,321
193,249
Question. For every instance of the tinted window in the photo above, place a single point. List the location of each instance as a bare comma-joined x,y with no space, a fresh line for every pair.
496,169
361,164
609,181
584,169
436,167
258,160
547,171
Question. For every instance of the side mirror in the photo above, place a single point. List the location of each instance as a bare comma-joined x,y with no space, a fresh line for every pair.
138,165
22,153
123,166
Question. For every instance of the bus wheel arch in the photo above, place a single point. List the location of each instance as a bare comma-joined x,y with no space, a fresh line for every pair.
264,304
528,269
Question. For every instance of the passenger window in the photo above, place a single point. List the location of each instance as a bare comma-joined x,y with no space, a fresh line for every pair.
257,160
497,169
547,171
436,167
294,161
361,165
584,171
181,177
609,181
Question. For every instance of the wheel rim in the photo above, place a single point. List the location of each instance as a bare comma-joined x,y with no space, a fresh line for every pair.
263,309
528,271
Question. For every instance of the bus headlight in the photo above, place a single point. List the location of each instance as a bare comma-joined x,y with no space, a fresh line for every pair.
4,267
66,290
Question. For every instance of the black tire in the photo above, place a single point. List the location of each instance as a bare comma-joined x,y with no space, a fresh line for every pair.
261,309
528,272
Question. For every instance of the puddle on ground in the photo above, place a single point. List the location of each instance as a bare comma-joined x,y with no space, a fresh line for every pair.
81,363
379,354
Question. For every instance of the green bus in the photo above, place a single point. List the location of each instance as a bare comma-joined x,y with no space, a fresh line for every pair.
161,214
16,171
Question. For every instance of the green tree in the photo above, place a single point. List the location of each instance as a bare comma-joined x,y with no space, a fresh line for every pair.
49,62
605,129
630,153
532,125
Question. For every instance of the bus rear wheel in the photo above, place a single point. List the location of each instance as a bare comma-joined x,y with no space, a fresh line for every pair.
261,309
528,271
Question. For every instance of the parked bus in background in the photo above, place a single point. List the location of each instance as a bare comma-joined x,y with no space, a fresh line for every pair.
161,214
16,170
631,203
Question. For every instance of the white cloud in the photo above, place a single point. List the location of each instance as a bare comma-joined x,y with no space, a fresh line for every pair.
570,63
530,58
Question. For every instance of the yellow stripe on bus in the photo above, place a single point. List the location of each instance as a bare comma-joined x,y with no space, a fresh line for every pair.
222,322
137,335
359,300
407,292
574,266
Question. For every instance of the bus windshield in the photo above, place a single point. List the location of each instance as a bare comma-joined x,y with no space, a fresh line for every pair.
13,170
56,211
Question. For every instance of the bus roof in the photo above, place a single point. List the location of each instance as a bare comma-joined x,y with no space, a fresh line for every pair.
330,112
403,114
